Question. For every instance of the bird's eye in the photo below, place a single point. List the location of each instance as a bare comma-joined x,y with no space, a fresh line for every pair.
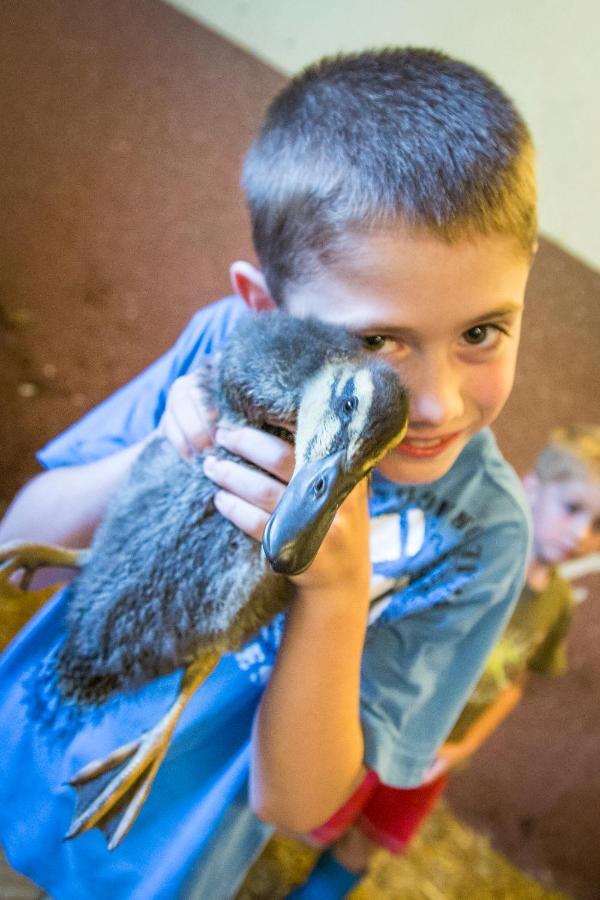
319,487
349,405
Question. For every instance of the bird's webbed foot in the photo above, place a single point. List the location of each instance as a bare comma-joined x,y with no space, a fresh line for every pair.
23,559
19,560
111,791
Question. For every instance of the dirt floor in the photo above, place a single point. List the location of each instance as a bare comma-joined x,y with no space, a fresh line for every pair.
124,128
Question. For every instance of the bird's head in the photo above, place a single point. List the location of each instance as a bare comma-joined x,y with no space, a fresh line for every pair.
351,413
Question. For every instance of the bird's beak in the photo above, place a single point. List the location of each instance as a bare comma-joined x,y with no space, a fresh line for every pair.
302,517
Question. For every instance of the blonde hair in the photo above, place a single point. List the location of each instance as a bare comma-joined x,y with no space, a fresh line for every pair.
571,453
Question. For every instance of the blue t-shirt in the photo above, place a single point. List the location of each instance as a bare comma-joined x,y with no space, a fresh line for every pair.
448,563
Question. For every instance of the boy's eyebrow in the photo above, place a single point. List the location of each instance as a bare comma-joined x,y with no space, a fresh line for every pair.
511,307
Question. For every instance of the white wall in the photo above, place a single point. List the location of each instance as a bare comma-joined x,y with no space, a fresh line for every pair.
545,53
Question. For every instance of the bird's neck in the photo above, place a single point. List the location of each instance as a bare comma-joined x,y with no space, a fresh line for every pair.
265,398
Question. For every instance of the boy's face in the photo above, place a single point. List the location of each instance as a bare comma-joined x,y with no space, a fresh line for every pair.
446,316
566,517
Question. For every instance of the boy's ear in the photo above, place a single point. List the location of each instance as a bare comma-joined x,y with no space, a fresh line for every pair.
249,282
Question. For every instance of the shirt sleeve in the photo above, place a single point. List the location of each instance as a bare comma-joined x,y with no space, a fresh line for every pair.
418,670
135,409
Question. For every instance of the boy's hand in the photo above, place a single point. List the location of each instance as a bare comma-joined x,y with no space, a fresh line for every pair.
450,756
187,422
342,567
249,497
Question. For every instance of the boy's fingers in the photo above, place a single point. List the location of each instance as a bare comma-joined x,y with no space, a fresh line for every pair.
271,453
194,420
173,433
248,484
248,518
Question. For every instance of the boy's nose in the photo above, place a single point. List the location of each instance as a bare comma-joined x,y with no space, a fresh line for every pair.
436,395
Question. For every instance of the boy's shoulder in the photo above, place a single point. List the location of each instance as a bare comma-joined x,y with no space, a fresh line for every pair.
466,533
210,325
487,483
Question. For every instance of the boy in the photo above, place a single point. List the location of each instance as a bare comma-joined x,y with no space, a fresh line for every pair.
392,192
563,492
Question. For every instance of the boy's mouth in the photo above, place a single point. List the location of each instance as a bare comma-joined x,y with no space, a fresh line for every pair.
425,447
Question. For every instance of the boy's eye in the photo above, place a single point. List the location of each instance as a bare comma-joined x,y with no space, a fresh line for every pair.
573,508
377,343
480,335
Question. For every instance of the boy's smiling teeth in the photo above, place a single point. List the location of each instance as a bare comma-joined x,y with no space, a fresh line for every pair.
426,442
426,447
423,442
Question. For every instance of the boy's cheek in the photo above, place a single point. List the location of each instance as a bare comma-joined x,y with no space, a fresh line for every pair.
491,389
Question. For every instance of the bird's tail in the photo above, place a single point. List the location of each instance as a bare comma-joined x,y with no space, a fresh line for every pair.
48,706
79,680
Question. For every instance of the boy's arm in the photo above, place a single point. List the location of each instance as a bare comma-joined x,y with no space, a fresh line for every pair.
307,747
453,753
64,506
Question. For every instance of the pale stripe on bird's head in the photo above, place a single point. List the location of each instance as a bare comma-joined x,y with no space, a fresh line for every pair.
363,393
347,406
318,427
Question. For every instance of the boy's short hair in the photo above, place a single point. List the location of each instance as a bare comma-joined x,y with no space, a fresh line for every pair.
572,453
380,138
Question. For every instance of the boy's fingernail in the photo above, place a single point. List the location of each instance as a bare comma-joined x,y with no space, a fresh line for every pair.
209,465
221,502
